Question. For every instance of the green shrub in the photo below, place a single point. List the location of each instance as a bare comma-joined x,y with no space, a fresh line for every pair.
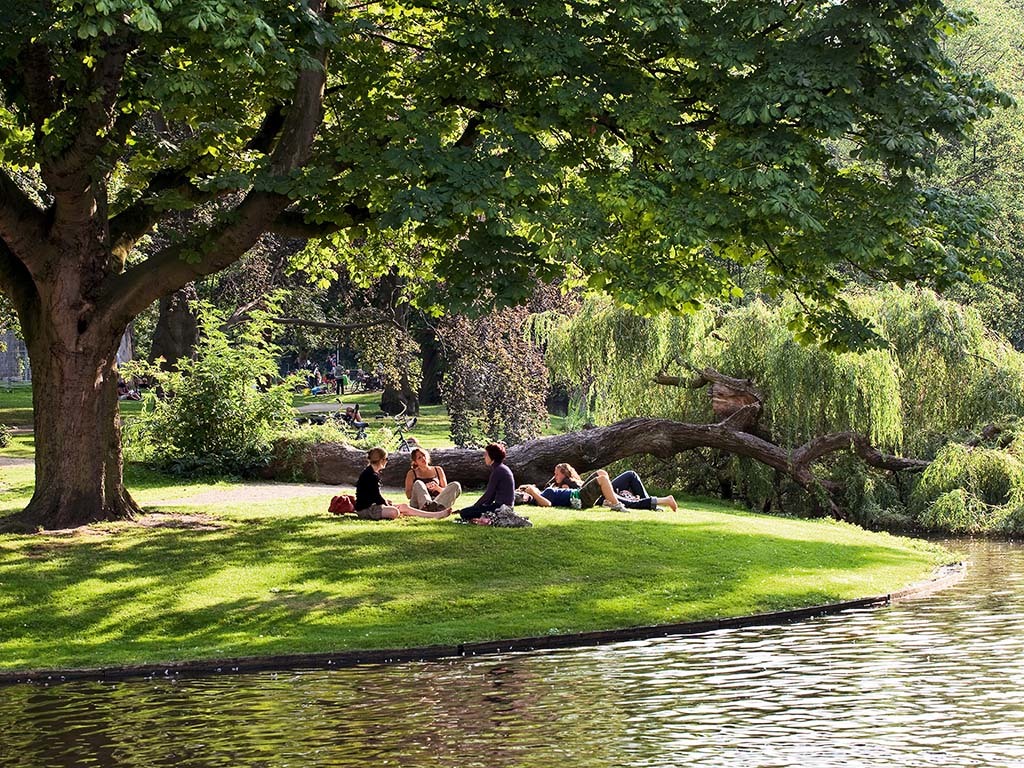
220,411
968,489
871,497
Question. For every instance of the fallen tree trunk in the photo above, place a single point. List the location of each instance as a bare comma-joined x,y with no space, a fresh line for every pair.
590,449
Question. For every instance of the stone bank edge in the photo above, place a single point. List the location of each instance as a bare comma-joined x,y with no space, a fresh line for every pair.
943,577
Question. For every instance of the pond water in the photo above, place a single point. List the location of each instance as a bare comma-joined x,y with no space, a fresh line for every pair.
936,681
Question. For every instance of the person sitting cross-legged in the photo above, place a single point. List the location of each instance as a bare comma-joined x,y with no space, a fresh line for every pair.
371,505
500,491
426,485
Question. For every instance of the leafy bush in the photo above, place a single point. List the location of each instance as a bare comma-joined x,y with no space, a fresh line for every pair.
293,442
969,490
219,412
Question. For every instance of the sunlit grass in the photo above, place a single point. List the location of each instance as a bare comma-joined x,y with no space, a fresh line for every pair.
235,569
248,575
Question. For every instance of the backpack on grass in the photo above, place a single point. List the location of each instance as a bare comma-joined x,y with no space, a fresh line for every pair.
342,505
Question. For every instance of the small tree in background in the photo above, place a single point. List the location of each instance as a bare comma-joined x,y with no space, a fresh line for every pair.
497,383
219,411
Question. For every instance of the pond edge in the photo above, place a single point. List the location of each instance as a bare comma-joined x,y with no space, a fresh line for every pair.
943,577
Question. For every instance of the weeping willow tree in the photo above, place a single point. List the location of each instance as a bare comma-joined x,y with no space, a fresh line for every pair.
941,375
809,391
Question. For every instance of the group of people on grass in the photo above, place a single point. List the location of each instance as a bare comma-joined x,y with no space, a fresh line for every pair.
431,495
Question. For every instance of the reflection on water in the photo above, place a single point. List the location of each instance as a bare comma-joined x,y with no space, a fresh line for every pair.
931,682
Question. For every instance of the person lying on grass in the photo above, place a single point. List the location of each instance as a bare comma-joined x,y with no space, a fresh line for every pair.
629,489
567,489
426,485
371,505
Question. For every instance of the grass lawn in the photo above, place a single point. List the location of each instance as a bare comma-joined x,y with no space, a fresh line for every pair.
253,573
432,428
230,569
16,406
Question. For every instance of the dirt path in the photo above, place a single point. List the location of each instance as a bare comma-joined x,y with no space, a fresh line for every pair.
260,492
10,461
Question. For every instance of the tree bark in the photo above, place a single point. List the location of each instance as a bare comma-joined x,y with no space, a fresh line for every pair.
177,330
394,400
433,366
79,466
67,274
590,449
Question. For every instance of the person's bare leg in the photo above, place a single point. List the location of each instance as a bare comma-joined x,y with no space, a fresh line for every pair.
408,511
605,484
668,501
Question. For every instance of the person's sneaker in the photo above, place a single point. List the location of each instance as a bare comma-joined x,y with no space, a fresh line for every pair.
616,507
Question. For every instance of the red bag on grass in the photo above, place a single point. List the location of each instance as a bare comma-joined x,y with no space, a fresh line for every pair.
342,505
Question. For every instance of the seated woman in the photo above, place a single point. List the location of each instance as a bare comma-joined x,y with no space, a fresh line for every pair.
501,487
371,505
353,418
567,489
125,392
629,489
426,486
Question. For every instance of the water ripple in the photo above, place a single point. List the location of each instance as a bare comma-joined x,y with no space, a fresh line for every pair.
935,682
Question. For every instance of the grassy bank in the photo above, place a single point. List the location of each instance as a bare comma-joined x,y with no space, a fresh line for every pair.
233,570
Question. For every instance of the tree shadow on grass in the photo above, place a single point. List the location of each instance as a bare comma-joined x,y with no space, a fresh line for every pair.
281,585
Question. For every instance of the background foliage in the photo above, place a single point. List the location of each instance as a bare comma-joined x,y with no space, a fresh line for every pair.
217,413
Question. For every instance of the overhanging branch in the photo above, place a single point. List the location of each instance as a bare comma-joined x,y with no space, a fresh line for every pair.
15,279
294,224
98,118
138,219
329,324
21,222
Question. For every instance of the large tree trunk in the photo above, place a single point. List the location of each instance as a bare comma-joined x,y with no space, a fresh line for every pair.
394,400
78,459
433,365
177,330
65,265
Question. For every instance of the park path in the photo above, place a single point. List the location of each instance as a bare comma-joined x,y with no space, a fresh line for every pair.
264,491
